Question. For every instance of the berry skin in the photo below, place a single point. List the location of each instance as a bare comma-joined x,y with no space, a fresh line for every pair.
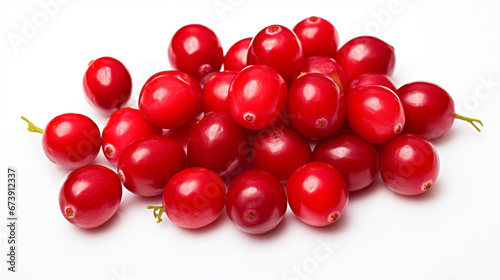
280,151
90,196
409,164
174,92
256,202
182,134
279,48
216,91
352,156
70,140
218,143
317,193
107,84
318,37
328,66
236,56
195,50
124,127
366,54
375,113
147,164
194,197
257,97
429,109
373,79
316,106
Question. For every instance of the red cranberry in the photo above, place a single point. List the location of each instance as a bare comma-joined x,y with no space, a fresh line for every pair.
256,202
279,48
318,37
90,196
366,54
196,50
236,56
352,156
328,66
174,92
147,164
107,84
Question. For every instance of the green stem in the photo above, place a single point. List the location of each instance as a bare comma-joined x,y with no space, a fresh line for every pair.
469,120
160,209
32,127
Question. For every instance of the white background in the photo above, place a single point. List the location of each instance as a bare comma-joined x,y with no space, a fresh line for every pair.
449,233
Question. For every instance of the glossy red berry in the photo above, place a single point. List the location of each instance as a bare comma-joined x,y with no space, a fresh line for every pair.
107,84
352,156
169,99
218,143
317,193
366,54
375,113
429,109
70,140
216,91
279,48
409,164
90,196
257,97
280,151
194,197
318,37
373,79
256,202
148,163
124,127
328,66
316,106
236,56
195,50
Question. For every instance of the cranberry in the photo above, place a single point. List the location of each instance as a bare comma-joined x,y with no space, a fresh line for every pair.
318,37
375,113
124,127
70,140
90,196
216,90
366,54
256,202
409,164
316,106
257,96
195,50
279,48
194,197
107,84
147,164
218,143
174,92
236,56
352,156
373,79
280,152
429,109
317,193
328,66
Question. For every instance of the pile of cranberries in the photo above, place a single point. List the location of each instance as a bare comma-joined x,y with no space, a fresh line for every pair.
292,120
